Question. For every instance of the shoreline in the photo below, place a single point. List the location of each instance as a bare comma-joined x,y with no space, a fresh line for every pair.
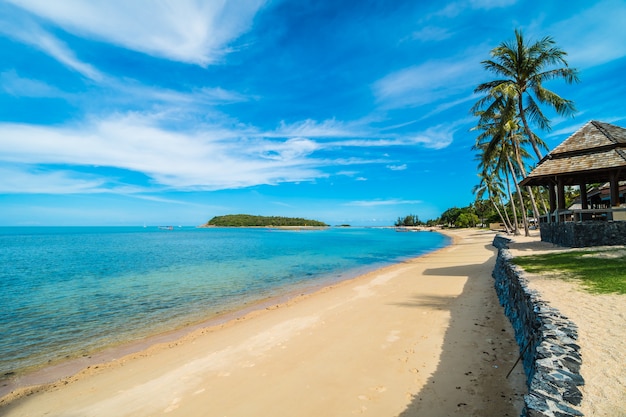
200,355
34,380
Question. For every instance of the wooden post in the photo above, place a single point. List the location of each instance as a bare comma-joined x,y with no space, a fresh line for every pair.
561,194
614,189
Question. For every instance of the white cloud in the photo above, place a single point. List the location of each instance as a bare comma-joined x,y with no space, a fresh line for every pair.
158,142
443,106
209,158
20,179
429,82
18,86
397,167
373,203
25,30
312,128
288,150
198,32
595,35
436,137
200,100
491,4
432,33
454,9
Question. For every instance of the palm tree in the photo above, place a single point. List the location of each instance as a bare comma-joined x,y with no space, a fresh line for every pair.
501,139
500,122
492,186
523,69
495,155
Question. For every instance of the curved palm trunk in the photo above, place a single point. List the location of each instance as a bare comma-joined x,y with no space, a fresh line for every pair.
522,168
543,203
518,158
515,223
533,203
506,216
504,222
523,209
529,133
520,198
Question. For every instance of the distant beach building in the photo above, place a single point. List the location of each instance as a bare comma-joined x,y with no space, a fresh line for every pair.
595,154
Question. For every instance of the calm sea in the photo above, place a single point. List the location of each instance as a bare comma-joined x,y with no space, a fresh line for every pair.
65,292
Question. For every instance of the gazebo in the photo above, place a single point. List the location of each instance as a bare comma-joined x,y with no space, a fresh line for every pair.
595,154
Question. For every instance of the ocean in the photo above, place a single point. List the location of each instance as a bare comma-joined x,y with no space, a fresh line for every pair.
66,292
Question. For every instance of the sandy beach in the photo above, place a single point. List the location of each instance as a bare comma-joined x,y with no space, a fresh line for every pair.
425,337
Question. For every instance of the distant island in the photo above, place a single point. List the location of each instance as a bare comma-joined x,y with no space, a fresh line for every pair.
247,220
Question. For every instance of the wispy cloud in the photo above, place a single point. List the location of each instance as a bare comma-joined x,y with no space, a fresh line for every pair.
358,135
429,82
24,29
206,158
437,137
15,85
131,94
491,4
432,33
373,203
180,30
589,42
325,129
454,9
20,179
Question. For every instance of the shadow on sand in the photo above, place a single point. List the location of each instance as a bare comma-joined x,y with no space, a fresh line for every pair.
477,353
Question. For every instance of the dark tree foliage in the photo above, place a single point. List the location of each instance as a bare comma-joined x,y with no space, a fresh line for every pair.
410,220
460,217
247,220
450,215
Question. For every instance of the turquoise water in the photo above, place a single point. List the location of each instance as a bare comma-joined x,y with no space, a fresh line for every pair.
65,292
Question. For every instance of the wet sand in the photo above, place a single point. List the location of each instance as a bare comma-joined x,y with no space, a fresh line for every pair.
425,337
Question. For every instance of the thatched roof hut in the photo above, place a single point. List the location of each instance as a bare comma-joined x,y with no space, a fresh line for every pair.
596,153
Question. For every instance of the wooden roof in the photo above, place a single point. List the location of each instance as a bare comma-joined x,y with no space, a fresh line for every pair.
588,156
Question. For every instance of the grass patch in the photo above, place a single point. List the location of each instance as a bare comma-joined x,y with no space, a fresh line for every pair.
601,272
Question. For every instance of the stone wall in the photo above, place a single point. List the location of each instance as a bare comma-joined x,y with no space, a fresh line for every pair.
584,234
547,341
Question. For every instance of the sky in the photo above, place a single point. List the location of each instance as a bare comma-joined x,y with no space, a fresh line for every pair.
165,112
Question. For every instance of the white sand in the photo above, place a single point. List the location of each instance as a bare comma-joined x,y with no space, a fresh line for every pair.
421,338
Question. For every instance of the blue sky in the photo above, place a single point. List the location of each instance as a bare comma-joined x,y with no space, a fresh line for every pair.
172,112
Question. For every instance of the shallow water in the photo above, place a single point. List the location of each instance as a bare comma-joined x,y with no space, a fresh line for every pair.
68,291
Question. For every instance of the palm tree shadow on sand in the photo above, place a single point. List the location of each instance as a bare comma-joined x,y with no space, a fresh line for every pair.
477,353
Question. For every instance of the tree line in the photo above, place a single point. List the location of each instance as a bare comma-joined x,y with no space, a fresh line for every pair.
469,216
247,220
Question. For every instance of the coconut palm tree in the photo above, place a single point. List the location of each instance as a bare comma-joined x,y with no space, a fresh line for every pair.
500,121
492,186
523,69
500,140
496,159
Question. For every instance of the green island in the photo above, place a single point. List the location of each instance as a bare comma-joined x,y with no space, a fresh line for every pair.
247,220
